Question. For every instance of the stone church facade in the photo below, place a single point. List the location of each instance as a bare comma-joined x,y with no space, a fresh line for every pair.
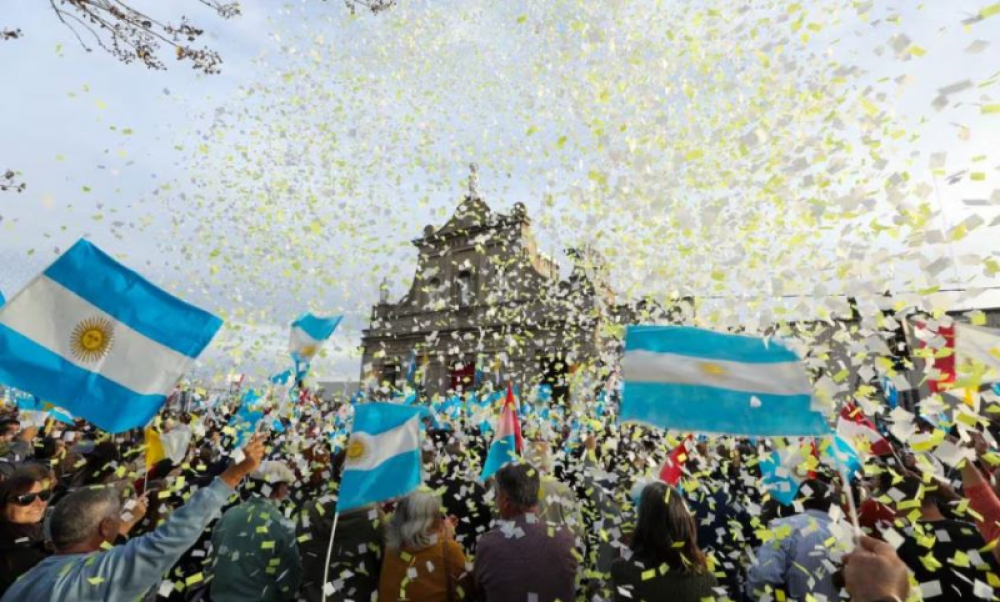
486,307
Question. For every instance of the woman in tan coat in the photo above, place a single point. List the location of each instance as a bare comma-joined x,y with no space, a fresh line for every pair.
422,560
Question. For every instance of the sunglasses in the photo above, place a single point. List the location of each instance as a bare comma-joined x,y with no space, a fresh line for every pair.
27,499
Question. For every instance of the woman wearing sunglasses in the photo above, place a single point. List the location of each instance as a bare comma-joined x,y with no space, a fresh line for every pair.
24,497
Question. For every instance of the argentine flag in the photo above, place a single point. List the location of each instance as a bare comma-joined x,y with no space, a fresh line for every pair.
383,455
695,380
308,334
99,340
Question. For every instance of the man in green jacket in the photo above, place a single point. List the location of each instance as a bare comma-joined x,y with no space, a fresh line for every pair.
256,553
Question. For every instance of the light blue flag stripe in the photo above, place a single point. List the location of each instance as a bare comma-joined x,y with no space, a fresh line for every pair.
698,408
2,300
30,367
318,328
363,487
784,489
134,301
502,451
381,417
695,342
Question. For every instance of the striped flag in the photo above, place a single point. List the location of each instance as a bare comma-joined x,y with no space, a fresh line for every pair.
98,339
308,333
383,455
695,380
507,444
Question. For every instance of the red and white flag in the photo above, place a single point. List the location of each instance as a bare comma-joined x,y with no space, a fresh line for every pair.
858,429
965,342
673,467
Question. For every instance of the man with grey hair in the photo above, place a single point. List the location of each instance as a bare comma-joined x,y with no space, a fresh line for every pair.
86,567
524,558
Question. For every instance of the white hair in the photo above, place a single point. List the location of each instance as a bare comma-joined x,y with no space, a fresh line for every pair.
413,525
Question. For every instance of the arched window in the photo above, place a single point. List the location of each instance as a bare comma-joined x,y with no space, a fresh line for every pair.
434,292
464,288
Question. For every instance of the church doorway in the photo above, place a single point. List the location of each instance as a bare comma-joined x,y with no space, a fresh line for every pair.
463,375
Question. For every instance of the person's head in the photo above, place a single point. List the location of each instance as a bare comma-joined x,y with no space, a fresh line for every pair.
25,495
815,495
273,479
416,522
666,531
9,428
517,485
85,519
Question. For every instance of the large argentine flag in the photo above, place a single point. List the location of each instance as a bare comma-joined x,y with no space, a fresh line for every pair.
94,337
383,454
308,334
695,380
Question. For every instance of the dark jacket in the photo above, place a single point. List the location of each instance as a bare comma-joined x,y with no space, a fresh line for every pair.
356,552
673,585
21,548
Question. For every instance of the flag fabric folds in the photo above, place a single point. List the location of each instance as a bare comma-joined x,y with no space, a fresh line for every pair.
855,427
98,339
785,469
308,333
673,467
154,448
383,455
507,444
695,380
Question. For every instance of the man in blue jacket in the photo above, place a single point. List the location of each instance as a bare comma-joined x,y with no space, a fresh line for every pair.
86,567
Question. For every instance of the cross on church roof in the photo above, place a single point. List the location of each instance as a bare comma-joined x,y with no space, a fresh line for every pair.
473,181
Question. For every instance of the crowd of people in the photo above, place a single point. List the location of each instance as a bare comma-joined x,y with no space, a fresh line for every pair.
582,515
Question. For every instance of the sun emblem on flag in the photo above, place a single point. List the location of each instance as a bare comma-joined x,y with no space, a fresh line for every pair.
358,448
308,351
92,339
712,369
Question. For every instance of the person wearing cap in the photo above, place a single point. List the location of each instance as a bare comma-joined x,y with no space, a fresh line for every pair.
256,552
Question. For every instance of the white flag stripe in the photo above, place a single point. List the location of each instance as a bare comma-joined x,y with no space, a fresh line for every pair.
375,449
779,378
49,314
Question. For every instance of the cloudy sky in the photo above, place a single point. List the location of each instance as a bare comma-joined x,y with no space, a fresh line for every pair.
706,147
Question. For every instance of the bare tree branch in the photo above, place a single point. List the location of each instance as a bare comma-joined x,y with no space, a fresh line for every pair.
131,35
375,6
9,182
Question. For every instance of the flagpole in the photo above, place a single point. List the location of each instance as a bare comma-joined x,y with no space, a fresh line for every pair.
329,552
851,505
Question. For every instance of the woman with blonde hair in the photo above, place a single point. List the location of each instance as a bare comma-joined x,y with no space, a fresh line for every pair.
422,560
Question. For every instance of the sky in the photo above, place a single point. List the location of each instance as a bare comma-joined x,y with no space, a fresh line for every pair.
742,150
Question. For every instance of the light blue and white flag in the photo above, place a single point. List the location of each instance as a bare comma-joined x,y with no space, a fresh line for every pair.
308,334
779,474
694,380
383,454
2,300
99,340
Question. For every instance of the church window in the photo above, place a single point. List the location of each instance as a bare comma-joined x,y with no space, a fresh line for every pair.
464,284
